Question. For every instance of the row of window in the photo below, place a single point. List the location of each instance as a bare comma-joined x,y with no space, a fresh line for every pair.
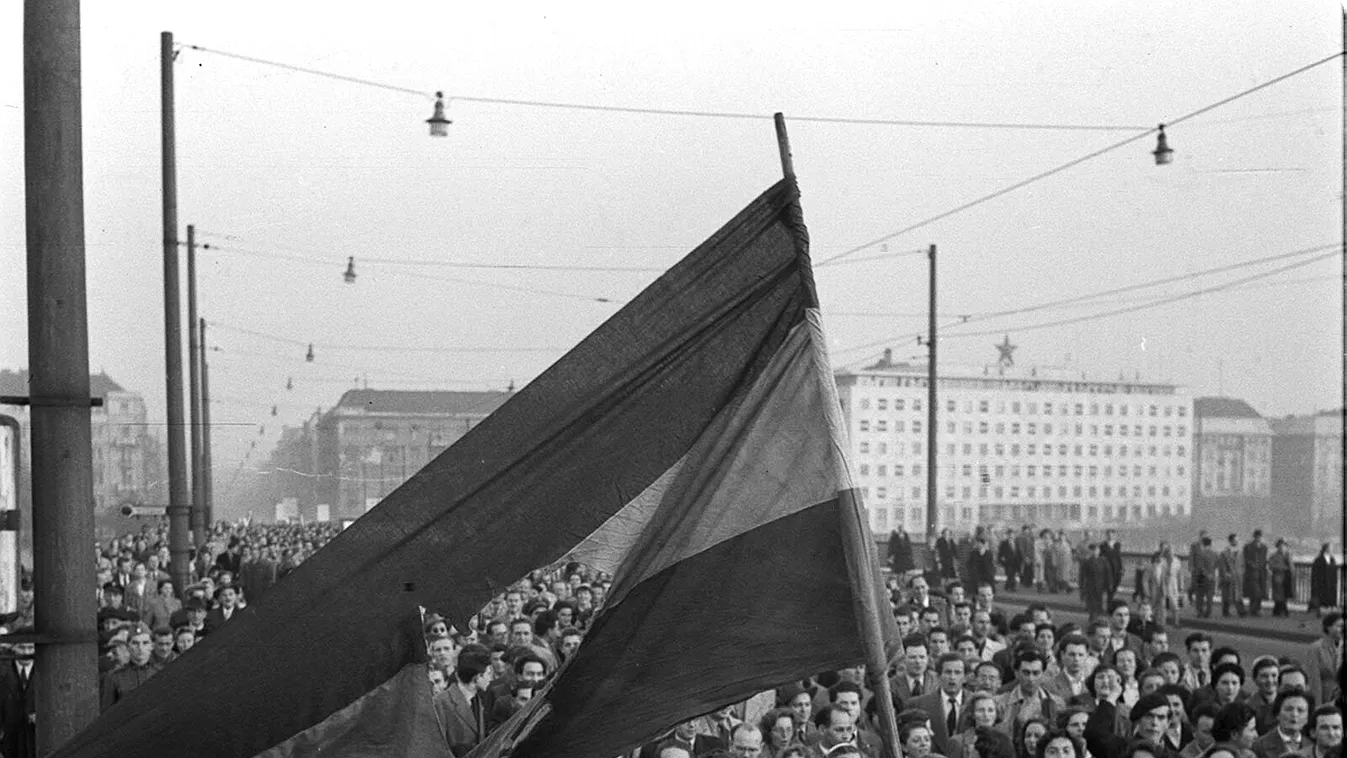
1034,492
992,513
987,473
1000,449
1016,407
1014,427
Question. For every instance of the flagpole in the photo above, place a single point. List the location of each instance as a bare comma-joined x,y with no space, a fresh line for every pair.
862,560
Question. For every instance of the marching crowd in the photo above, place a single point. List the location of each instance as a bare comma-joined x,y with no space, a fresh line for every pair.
974,679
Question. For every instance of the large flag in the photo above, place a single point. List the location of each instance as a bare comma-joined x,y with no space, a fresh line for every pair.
692,445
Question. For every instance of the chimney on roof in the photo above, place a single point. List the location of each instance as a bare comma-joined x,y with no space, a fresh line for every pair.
888,357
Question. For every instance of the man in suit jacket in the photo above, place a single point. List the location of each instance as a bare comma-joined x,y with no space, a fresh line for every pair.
227,598
1119,618
459,709
945,706
17,705
920,598
915,679
1292,711
1070,681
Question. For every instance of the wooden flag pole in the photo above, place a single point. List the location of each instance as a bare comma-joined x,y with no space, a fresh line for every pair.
862,560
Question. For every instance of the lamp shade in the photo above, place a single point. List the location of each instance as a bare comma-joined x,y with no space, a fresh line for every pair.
1162,152
438,122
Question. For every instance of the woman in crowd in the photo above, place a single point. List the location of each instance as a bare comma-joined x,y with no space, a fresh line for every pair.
1125,661
1060,745
1027,737
982,706
916,739
778,732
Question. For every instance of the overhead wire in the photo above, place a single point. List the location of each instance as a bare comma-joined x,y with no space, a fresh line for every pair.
1076,162
1019,126
380,348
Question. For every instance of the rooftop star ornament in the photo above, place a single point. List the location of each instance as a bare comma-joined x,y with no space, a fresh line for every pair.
1007,350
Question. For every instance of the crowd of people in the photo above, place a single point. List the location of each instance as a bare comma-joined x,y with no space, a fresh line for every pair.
1051,562
974,678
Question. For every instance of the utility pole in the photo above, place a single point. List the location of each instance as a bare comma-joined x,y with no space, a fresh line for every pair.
179,498
66,671
932,482
196,521
207,473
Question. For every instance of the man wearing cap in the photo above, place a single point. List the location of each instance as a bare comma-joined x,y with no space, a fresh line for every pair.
191,616
118,683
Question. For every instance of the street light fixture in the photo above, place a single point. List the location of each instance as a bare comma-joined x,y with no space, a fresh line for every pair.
1162,152
438,122
349,276
308,357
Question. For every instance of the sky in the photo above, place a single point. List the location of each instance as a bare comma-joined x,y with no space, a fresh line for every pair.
285,174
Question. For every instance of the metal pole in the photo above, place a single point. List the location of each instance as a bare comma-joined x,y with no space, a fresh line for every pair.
207,473
179,499
194,396
66,671
932,482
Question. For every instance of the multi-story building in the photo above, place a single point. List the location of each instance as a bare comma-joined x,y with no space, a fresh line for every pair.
367,445
1307,472
1232,465
1032,445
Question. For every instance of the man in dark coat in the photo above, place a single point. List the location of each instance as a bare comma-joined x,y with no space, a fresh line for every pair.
1111,551
1008,555
1323,581
1024,545
900,552
981,565
1255,573
17,705
1096,577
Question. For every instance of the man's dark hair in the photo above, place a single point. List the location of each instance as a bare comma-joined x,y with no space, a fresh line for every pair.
963,604
988,664
1208,709
915,640
963,638
1029,656
1115,604
1285,695
1327,709
521,620
956,583
529,657
1195,638
1157,629
1090,679
1175,689
1095,625
1225,650
1331,619
544,622
1231,719
1227,668
950,657
471,664
990,743
1039,629
841,687
1166,657
1057,734
1073,639
160,584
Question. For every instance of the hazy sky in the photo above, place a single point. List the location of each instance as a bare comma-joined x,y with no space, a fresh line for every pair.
289,164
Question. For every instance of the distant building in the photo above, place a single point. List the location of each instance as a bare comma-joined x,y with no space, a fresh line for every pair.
372,441
1232,466
1018,445
128,463
1307,472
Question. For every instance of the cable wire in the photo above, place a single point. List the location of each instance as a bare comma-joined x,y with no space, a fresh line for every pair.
432,262
1071,164
672,111
380,348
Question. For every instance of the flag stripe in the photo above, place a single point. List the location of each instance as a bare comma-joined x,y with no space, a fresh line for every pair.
519,491
360,730
657,657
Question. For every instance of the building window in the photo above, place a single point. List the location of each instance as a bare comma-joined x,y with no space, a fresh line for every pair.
951,406
1001,428
881,470
865,425
916,493
881,425
898,403
1015,449
898,426
882,493
1033,428
982,427
916,404
916,427
916,469
984,406
916,448
864,447
967,448
865,469
951,427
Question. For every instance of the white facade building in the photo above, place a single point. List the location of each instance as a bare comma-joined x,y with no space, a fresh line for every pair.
1033,445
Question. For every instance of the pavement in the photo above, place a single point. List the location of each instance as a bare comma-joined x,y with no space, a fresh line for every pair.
1298,627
